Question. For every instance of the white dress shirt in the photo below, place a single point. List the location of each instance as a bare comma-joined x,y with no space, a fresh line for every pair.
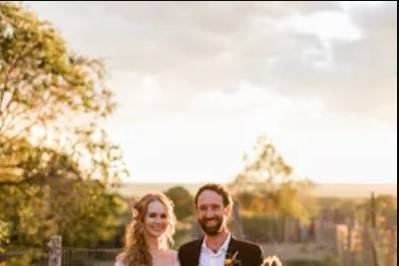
210,258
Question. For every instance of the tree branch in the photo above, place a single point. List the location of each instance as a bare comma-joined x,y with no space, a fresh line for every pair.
16,183
8,74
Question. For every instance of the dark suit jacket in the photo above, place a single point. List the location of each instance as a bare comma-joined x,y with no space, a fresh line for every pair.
249,254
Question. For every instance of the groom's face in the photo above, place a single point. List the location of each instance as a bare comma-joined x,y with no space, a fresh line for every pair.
211,212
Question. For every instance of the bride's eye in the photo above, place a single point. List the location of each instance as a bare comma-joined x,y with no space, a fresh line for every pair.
152,215
164,216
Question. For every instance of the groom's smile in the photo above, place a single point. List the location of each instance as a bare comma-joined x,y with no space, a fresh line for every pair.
211,226
212,221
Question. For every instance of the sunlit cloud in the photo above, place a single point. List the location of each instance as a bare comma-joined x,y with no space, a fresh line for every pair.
197,83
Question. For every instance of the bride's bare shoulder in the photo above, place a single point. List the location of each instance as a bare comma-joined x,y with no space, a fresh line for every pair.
173,257
172,253
119,263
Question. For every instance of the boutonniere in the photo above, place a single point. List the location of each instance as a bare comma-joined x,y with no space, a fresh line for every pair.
232,260
272,261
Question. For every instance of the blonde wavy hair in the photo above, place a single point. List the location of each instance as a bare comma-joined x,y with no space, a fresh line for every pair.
136,250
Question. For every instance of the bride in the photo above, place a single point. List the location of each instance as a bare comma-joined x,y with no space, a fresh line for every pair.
149,235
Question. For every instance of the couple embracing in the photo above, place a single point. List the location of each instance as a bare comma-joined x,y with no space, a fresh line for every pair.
149,235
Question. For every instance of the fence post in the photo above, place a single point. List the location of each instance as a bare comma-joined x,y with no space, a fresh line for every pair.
55,251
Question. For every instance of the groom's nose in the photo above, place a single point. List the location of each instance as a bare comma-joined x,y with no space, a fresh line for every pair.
209,214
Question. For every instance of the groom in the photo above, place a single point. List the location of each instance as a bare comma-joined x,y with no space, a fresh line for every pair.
218,247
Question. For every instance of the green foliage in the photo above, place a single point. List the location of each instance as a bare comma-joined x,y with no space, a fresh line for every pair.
26,257
184,211
44,87
262,227
39,74
4,234
59,202
182,200
54,182
183,234
386,211
267,184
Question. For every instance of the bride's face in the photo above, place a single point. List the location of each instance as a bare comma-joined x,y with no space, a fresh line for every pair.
156,219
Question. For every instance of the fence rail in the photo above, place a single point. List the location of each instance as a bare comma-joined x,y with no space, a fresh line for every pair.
59,256
88,257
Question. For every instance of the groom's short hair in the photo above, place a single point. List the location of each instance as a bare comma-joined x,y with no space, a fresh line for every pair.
218,189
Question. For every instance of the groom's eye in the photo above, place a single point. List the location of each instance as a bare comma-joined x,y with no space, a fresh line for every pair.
203,208
215,207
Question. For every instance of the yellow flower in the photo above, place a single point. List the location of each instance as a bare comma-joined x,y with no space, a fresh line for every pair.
228,262
232,261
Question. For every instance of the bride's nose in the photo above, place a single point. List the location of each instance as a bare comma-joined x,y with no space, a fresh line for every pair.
158,220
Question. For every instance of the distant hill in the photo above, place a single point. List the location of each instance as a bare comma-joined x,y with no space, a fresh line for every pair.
320,190
354,190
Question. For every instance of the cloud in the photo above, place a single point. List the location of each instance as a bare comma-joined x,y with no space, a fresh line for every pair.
345,56
351,66
219,74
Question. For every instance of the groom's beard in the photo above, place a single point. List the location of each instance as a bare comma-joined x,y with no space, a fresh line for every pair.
214,229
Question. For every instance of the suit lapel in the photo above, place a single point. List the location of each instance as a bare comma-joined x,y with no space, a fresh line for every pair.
196,253
233,248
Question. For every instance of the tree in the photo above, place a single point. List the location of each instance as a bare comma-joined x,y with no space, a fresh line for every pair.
54,199
182,200
55,182
267,184
45,87
266,166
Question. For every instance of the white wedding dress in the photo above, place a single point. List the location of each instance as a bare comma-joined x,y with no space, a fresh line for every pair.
168,259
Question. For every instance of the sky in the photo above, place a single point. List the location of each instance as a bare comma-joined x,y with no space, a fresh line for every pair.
197,83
